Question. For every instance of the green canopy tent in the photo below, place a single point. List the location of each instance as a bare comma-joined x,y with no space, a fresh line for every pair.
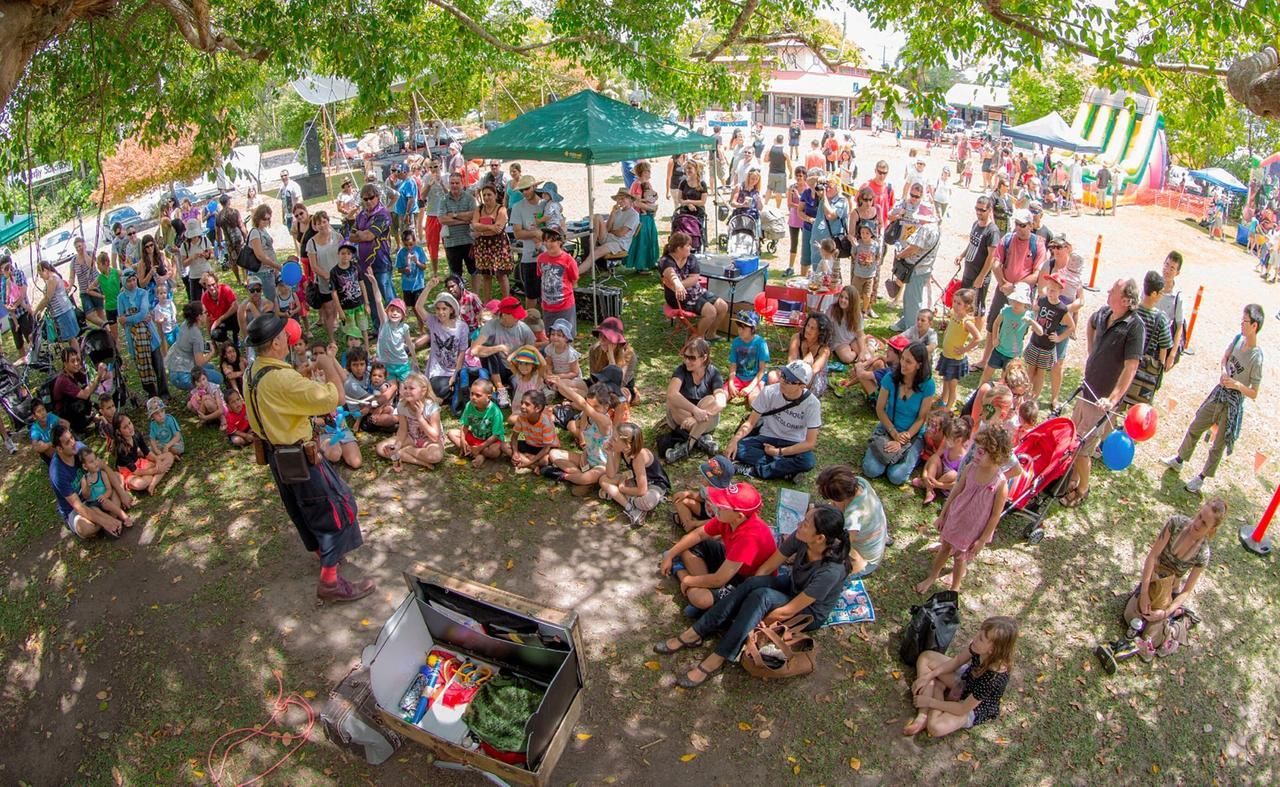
14,227
587,128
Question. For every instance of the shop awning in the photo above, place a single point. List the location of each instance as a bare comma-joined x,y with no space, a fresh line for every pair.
15,226
821,85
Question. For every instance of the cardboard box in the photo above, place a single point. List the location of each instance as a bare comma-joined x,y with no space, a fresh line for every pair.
431,615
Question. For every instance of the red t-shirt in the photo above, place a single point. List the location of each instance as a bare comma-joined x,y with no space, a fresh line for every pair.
750,543
216,307
1021,263
558,275
237,421
884,198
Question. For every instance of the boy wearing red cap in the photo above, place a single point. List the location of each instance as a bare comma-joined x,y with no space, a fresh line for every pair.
709,568
502,335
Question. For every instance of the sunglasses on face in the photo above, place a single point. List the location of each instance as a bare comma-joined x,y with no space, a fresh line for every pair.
692,357
1020,224
132,233
981,208
882,172
368,199
866,199
916,195
253,289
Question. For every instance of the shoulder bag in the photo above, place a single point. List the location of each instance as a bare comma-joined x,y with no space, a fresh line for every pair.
292,465
844,244
793,403
246,258
799,650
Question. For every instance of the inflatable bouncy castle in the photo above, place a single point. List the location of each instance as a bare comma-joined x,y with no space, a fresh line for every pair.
1129,131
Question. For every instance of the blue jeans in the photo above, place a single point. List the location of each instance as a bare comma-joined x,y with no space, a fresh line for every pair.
897,474
268,278
182,380
386,286
462,389
806,246
913,297
739,612
751,452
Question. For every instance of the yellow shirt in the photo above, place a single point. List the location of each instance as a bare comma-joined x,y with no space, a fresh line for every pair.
954,339
288,400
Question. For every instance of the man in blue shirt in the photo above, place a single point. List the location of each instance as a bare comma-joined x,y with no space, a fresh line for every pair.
405,209
82,519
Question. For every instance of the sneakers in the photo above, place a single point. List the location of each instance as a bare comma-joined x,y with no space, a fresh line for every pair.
10,446
1173,463
706,444
677,452
342,591
503,398
634,515
1195,484
744,470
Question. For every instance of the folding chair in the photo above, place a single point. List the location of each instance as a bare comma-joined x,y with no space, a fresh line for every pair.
686,328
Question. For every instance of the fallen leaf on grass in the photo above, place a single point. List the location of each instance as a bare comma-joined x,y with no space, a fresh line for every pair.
510,564
964,756
742,725
764,734
896,674
309,694
699,742
584,736
849,723
795,769
1155,768
859,673
102,695
855,763
687,757
652,665
364,621
175,580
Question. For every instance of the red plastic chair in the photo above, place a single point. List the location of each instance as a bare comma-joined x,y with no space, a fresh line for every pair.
687,327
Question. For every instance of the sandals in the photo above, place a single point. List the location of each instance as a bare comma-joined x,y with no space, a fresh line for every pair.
1074,498
685,683
663,649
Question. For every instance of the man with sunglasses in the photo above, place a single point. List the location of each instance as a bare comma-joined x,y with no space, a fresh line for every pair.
290,195
433,190
883,189
373,246
219,302
913,263
979,256
1019,258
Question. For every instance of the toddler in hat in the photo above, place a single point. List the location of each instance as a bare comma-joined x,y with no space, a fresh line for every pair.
164,432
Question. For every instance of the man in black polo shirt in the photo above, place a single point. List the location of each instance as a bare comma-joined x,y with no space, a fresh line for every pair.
1116,338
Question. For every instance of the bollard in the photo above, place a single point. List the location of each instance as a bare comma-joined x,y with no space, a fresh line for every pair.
1093,276
1255,539
1195,310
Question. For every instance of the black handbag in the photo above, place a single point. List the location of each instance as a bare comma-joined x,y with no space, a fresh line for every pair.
844,244
247,259
932,626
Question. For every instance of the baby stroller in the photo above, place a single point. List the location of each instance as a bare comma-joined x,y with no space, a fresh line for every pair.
774,225
691,225
97,348
742,235
15,393
1046,454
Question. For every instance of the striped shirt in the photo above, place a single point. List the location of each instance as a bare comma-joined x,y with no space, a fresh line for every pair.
541,433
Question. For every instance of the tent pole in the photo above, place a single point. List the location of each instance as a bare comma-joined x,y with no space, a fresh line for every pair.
591,243
715,208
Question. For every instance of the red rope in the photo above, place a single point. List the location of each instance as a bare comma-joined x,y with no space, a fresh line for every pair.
281,705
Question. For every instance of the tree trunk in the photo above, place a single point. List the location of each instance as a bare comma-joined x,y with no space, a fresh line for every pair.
25,26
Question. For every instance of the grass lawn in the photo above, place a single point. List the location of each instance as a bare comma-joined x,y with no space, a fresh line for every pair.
124,662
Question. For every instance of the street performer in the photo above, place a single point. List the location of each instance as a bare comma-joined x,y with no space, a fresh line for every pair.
280,403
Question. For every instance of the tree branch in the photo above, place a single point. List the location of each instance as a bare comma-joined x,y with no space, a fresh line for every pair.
772,38
731,37
996,9
489,38
195,26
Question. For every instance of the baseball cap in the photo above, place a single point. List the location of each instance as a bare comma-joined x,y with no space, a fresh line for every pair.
1059,239
351,247
511,305
797,372
718,470
1035,208
747,317
1022,216
154,405
900,342
743,498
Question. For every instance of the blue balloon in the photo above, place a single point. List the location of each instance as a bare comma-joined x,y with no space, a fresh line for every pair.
1117,451
291,274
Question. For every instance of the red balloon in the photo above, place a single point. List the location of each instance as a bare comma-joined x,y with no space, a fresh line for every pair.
1140,422
761,300
770,307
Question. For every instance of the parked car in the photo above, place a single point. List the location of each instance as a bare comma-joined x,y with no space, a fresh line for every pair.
128,217
955,125
58,246
346,149
979,127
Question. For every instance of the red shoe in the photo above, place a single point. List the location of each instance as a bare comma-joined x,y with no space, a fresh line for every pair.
342,590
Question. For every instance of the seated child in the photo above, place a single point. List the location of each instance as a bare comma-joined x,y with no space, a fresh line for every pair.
868,373
584,469
935,432
533,433
237,421
232,366
382,415
103,420
41,432
288,304
825,274
419,437
166,436
692,511
206,399
528,373
483,426
922,330
105,381
942,469
748,359
648,484
96,487
1028,419
472,370
563,359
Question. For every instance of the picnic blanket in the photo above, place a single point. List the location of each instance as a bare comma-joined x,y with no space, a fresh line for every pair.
853,606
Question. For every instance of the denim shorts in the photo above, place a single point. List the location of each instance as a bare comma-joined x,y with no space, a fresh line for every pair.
998,360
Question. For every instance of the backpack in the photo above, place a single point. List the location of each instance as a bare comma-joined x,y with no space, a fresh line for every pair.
246,258
1007,240
932,626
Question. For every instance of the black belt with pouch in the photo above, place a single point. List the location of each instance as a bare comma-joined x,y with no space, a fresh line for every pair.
293,461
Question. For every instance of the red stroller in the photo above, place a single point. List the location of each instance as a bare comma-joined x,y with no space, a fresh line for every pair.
1046,454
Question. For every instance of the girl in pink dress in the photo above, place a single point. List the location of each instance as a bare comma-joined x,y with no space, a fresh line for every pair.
969,517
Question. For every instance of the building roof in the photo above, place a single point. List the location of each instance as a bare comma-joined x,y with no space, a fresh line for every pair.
963,94
801,83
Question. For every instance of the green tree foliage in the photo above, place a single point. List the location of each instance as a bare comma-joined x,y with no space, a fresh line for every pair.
1057,87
